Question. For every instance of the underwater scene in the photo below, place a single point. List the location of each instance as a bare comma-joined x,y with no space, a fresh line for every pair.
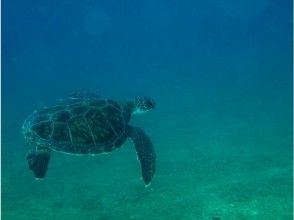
147,110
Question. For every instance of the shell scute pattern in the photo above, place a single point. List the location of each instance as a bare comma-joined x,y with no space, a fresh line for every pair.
62,135
80,131
43,128
62,116
79,125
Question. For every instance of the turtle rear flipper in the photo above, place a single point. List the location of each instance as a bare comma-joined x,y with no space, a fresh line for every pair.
38,162
145,152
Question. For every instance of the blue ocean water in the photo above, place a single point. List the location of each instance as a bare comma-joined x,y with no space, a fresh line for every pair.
220,73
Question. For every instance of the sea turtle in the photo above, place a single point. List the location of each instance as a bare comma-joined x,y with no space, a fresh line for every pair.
87,124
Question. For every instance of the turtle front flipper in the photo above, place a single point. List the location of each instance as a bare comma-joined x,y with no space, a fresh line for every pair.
38,161
145,152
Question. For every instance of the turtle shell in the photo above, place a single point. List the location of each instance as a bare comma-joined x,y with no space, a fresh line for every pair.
79,124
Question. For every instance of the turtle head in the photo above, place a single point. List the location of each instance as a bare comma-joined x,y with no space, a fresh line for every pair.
142,105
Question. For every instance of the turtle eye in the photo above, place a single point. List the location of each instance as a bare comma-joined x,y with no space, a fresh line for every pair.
144,104
148,104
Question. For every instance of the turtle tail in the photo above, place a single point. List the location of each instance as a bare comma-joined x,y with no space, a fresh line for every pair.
38,162
145,152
